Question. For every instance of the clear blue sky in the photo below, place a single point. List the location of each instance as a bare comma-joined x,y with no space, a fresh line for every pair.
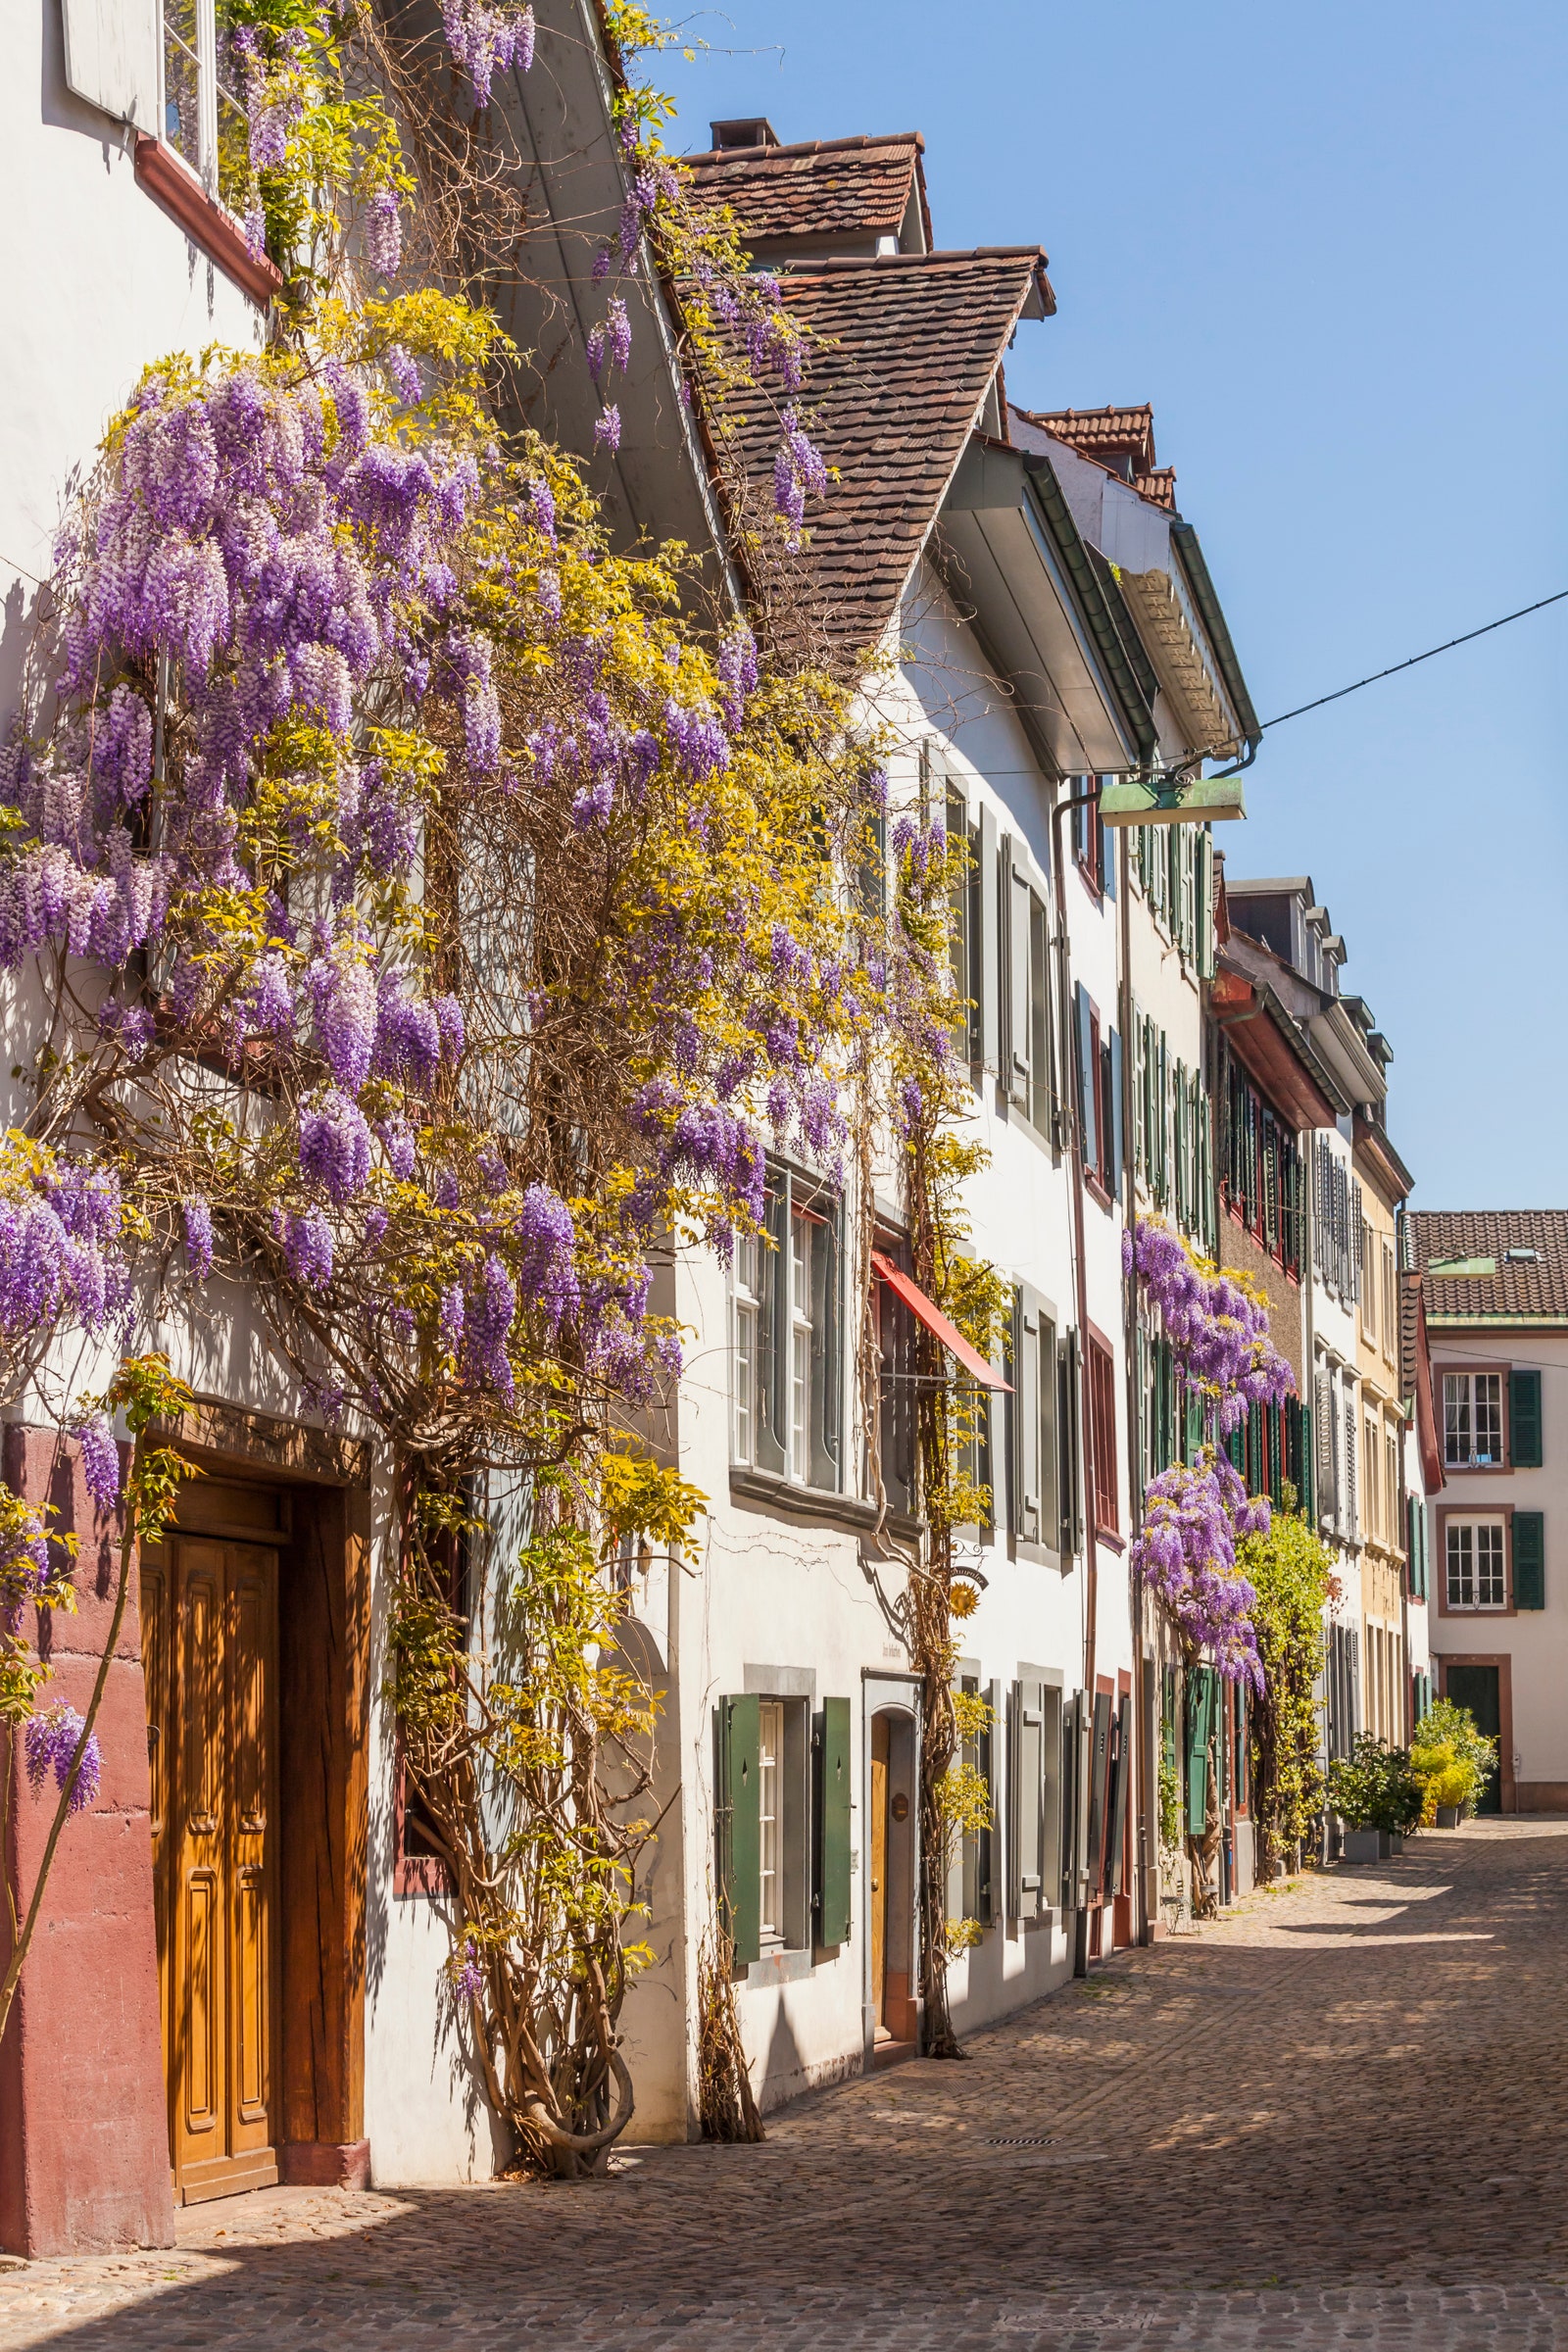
1327,243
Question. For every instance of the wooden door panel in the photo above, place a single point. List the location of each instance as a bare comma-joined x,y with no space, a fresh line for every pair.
203,2018
879,1884
219,1603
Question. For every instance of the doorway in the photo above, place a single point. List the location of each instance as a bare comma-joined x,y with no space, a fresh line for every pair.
1480,1688
210,1621
891,1803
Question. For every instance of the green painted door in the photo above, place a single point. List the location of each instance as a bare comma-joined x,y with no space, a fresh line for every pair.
1476,1688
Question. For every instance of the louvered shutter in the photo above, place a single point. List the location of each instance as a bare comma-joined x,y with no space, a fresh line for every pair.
988,977
1528,1560
1524,1420
1327,1483
1351,1451
988,1905
740,1839
1205,907
1069,1449
1118,1809
1200,1710
1098,1789
1108,857
1088,1075
1162,1119
835,1818
1020,1002
1117,1128
1027,1810
1025,1403
112,58
1140,1108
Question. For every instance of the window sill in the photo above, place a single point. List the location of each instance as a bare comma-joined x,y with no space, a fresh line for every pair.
810,1502
169,180
786,1966
1097,1191
421,1874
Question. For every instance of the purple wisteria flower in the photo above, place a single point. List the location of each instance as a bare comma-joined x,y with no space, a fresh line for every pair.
307,1246
799,473
383,232
49,1744
467,1980
197,1217
546,1242
336,1144
607,432
100,1459
487,39
343,995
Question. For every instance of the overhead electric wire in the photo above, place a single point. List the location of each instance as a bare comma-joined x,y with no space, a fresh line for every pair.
1395,667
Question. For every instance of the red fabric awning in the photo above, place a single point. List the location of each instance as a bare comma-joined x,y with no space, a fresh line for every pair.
936,1322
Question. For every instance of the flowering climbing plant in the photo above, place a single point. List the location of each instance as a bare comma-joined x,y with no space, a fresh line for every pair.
1196,1514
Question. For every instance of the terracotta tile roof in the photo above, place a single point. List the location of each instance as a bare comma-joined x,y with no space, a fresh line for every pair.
1492,1262
904,351
1103,433
825,187
1159,486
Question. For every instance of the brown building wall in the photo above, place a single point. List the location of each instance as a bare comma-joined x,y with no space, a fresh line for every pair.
1285,1314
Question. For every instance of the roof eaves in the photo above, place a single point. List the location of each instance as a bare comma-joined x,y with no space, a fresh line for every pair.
1075,554
1185,541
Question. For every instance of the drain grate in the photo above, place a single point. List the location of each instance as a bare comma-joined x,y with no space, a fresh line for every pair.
1026,2141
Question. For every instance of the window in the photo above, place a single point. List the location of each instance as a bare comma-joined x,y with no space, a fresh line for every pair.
1390,1488
1472,1420
1476,1575
1037,1466
964,938
203,118
1262,1176
1374,1479
1174,865
1390,1307
1100,1371
786,1370
1337,1207
1369,1293
1094,846
766,1744
1027,1045
1100,1106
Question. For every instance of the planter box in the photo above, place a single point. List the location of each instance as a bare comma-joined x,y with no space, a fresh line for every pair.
1449,1817
1366,1846
1396,1841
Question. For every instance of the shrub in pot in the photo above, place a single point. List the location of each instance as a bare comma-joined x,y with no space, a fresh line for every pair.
1377,1796
1448,1725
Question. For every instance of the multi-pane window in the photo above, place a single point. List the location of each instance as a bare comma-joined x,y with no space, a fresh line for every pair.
1389,1298
1094,846
785,1351
1100,1372
1477,1579
1391,1487
1174,867
204,117
1261,1177
1472,1420
1027,1043
1369,1289
1099,1107
769,1787
964,930
1374,1480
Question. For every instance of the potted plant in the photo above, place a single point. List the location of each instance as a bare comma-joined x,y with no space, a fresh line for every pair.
1448,1727
1450,1782
1378,1797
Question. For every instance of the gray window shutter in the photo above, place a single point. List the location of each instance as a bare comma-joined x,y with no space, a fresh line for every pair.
1045,1416
987,962
1351,1449
1069,1453
1098,1789
1021,1073
1119,1793
1030,1897
1117,1137
1528,1560
1026,1465
112,58
1088,1076
835,1823
1327,1485
740,1835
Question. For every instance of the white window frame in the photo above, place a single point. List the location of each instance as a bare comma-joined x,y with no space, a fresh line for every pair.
745,1334
1462,1551
204,160
1463,1412
800,1365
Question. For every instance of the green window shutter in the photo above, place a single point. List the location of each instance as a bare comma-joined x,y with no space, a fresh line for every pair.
1168,1718
1524,1420
739,1842
1528,1560
836,1803
1199,1713
1030,1895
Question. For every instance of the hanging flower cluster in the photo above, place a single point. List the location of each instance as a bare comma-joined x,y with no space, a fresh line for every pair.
1186,1552
1193,1516
1216,1322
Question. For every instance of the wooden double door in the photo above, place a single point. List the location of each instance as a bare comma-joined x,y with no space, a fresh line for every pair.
209,1647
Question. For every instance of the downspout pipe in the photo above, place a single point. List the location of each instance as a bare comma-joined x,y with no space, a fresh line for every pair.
1146,1909
1075,1131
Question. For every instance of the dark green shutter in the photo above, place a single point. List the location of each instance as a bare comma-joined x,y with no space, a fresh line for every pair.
1528,1560
1200,1715
1309,1466
835,1798
1524,1420
1118,1800
739,1842
1088,1077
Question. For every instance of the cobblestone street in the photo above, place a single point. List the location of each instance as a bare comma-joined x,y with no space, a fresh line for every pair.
1338,2116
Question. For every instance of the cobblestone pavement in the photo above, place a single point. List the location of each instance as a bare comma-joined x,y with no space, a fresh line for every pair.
1337,2118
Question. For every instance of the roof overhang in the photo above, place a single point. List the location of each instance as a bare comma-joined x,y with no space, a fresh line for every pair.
659,486
1269,1042
1006,543
1377,1156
